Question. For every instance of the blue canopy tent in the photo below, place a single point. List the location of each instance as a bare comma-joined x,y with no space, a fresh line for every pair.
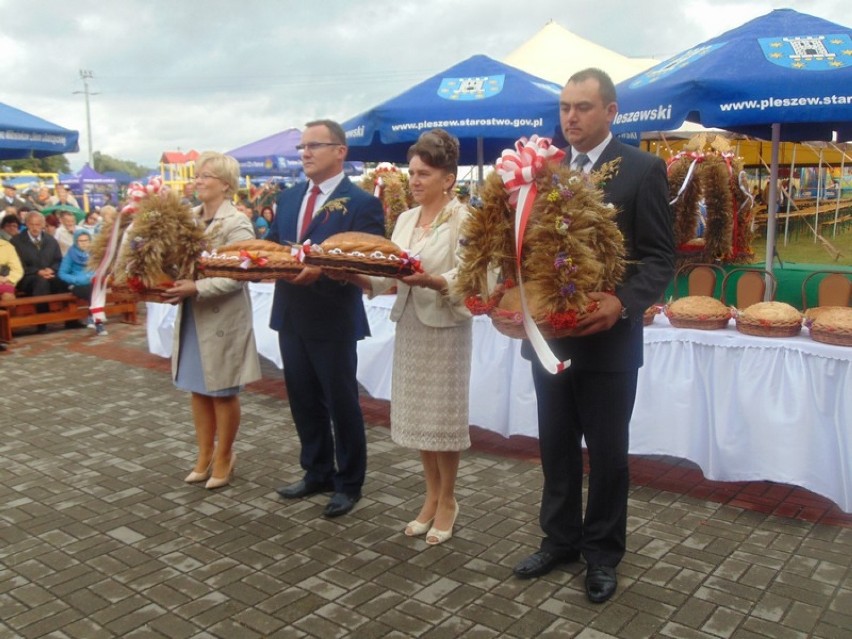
486,104
23,135
275,155
785,75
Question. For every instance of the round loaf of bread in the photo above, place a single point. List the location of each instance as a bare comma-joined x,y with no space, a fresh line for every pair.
770,319
771,313
365,253
698,311
833,327
251,260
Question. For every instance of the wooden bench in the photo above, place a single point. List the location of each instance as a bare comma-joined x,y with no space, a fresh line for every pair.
62,307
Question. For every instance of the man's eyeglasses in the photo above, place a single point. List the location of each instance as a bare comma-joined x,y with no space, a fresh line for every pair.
313,146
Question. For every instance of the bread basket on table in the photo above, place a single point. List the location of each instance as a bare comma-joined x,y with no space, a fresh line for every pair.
570,245
769,319
698,311
832,326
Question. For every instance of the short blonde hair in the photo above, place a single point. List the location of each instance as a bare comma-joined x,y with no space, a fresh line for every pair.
222,166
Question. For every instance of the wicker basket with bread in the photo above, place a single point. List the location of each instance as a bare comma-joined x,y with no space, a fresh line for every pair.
769,319
698,311
833,326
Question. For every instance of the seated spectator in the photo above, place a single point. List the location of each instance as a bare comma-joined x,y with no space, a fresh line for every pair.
189,198
264,222
91,222
75,271
10,226
10,196
64,196
40,256
108,213
244,207
11,270
51,223
42,198
65,233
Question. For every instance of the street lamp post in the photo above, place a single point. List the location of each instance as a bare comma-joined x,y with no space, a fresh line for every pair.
86,76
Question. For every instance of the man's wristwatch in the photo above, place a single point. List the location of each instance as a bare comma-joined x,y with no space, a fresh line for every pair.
624,314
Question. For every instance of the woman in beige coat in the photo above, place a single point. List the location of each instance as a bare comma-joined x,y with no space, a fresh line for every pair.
214,352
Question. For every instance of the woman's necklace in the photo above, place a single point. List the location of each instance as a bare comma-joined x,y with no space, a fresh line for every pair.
421,224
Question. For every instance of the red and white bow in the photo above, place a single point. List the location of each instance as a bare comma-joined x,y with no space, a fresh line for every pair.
137,191
518,169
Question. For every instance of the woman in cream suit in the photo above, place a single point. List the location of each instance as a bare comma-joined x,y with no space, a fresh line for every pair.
431,362
214,353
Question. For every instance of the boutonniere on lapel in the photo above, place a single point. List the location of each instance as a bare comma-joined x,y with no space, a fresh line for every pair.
337,205
608,170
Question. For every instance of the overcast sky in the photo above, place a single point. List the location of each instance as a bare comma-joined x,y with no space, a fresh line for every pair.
219,74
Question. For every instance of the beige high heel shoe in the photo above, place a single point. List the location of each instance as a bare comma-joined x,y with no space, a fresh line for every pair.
435,536
416,528
194,477
219,482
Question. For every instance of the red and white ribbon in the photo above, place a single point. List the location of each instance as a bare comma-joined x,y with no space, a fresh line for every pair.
135,192
697,158
518,169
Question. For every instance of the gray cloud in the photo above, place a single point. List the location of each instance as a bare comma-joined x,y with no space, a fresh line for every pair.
222,73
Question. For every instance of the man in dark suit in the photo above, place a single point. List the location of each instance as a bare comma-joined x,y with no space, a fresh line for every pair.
10,197
41,257
593,398
320,320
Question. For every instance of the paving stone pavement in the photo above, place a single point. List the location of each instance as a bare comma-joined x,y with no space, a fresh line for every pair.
100,537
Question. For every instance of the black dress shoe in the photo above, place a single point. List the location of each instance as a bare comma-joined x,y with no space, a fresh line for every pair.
542,562
600,583
304,488
340,504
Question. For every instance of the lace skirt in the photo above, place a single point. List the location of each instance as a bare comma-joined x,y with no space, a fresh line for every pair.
431,378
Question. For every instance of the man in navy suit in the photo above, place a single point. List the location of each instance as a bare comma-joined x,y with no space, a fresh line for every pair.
593,398
320,320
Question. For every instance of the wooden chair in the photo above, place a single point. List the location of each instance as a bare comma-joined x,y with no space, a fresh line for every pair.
750,286
701,278
834,289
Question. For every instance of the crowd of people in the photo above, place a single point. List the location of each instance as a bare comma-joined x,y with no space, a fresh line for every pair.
319,317
44,253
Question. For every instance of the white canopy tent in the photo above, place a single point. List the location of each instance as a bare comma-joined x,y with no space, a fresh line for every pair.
554,53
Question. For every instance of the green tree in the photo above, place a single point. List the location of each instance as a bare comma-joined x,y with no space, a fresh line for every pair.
52,164
104,162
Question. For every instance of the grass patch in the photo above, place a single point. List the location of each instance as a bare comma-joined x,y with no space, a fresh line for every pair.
802,249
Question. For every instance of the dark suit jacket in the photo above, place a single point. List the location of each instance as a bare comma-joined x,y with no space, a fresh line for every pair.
33,259
326,309
639,190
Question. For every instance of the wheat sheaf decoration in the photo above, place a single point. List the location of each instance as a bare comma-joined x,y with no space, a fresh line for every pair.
571,246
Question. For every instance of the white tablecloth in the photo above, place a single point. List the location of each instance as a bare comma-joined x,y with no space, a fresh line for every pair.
742,408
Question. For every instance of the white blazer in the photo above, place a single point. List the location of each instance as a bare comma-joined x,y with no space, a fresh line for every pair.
438,257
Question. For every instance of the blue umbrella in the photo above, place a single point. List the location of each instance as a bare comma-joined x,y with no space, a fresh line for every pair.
785,75
23,135
274,155
486,104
